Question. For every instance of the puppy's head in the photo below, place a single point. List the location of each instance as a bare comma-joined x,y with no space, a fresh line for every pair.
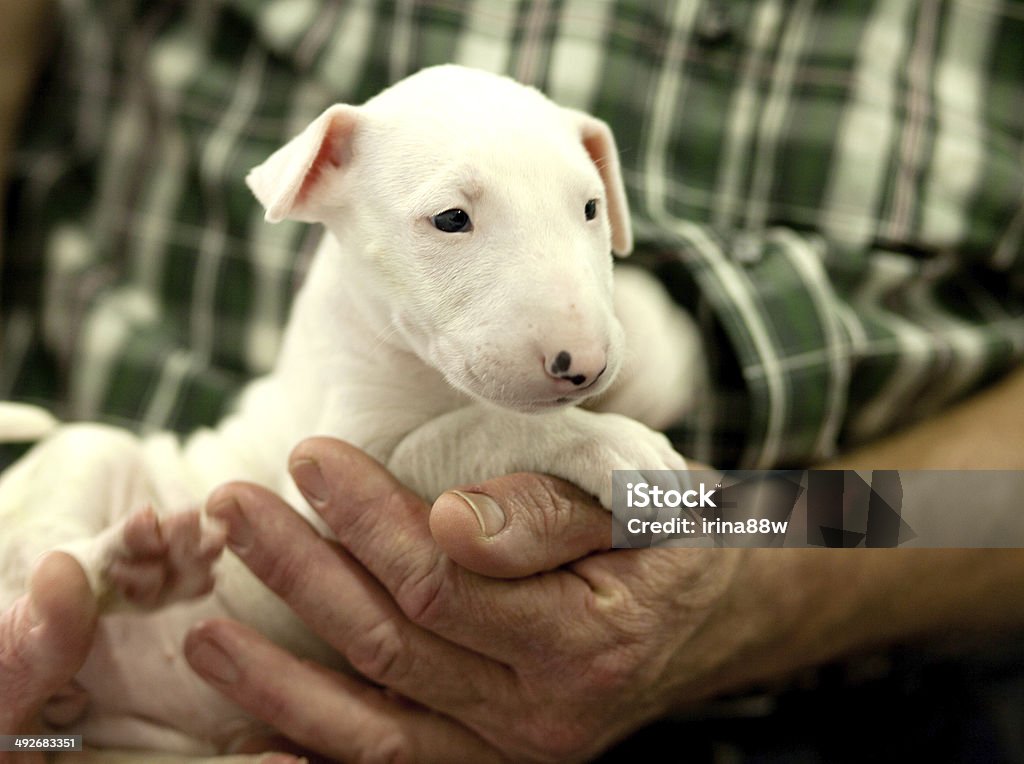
483,216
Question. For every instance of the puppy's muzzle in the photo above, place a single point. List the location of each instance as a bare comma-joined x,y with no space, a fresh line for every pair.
581,369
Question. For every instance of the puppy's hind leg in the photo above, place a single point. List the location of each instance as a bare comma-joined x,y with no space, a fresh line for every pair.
148,560
87,491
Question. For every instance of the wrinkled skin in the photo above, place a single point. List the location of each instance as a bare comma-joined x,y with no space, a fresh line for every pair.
507,677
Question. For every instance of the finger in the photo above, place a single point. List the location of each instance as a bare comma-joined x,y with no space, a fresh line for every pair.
385,527
333,714
518,525
363,622
45,637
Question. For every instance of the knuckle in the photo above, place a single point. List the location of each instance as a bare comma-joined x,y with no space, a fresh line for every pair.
283,573
420,594
380,654
268,703
558,500
402,503
554,504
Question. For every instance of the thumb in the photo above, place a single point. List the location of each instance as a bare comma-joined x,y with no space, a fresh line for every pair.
45,637
518,525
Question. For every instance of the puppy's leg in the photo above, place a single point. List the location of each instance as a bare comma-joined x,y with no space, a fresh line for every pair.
663,372
147,561
479,442
87,490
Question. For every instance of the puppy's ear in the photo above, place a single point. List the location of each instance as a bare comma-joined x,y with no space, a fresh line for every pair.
600,144
293,183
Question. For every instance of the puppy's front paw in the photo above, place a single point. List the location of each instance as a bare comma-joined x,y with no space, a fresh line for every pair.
612,442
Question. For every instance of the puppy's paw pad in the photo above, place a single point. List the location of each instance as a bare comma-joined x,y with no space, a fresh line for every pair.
165,559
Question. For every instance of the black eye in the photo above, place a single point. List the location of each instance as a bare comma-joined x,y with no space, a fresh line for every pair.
590,209
451,221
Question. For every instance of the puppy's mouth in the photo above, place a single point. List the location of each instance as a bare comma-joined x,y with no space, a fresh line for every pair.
530,405
527,404
545,405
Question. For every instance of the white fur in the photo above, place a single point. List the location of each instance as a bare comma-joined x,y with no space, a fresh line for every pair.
430,350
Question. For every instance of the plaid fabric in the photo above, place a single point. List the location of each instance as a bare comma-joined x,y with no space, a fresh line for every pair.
835,190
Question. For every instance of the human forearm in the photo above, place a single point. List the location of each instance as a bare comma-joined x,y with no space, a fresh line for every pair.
808,606
893,595
984,432
830,602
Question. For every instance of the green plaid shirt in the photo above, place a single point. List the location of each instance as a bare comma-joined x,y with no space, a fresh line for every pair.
834,190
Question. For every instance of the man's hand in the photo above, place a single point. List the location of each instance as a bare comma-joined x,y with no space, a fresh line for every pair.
552,666
44,639
519,634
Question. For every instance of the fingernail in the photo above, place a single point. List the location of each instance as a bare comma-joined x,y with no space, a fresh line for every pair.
239,533
490,516
210,660
310,480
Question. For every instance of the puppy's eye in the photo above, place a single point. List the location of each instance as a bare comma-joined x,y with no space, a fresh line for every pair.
590,209
452,221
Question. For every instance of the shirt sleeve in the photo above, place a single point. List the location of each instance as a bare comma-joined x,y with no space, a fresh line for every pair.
838,197
813,348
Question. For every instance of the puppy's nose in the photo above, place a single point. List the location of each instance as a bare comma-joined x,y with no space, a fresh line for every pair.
581,368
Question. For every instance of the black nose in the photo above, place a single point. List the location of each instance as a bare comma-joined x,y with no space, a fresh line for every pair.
561,363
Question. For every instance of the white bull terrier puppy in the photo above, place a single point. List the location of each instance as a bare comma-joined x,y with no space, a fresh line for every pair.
458,310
